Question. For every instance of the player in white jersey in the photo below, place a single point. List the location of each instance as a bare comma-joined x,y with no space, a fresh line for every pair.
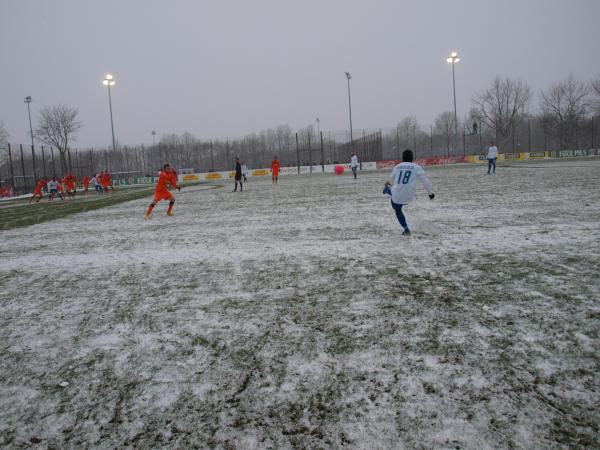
402,185
492,156
54,189
354,164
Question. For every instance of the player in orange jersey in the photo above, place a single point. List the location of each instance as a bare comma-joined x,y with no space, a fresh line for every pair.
166,177
86,183
70,183
109,182
38,190
275,165
103,180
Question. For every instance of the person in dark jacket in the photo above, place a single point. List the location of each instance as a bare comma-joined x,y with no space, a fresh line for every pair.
238,174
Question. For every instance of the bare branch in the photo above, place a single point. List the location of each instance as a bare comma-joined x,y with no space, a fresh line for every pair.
444,125
500,106
566,103
3,143
57,126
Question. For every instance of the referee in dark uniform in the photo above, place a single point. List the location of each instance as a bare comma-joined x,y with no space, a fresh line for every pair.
238,174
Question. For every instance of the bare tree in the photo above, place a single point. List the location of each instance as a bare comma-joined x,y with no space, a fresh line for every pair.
595,85
408,128
500,106
3,143
566,103
57,126
444,126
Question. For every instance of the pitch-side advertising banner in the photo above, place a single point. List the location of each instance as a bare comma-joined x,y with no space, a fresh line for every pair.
434,161
510,156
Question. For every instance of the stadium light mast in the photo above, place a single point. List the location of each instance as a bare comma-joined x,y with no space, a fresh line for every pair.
318,127
154,137
28,100
453,58
348,76
108,82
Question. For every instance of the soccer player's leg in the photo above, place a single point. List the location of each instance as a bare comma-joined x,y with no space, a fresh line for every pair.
171,204
401,218
158,196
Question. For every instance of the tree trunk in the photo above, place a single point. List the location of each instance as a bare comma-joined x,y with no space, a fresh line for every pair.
63,162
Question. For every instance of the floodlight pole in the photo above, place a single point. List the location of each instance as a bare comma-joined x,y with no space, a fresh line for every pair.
108,82
28,100
452,59
112,126
454,90
348,76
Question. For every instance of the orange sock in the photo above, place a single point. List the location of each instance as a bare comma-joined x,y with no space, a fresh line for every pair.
150,208
171,204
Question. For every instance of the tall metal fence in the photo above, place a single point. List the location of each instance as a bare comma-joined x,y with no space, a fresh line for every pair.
22,165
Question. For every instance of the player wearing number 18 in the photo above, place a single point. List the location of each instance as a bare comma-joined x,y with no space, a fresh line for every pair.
402,186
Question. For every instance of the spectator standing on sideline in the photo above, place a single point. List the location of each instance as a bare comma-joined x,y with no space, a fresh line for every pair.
354,164
491,157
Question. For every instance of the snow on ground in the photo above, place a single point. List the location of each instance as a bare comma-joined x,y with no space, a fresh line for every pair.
297,316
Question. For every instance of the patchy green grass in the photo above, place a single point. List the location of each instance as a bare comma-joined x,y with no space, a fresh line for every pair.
297,316
20,213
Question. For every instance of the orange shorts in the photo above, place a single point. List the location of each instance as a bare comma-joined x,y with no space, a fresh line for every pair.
37,192
163,195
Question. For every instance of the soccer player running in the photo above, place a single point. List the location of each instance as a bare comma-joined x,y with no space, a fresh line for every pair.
403,184
37,191
275,165
492,156
70,185
166,177
96,183
86,183
238,175
354,164
54,189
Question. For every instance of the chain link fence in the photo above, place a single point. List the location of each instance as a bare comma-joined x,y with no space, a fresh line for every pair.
22,165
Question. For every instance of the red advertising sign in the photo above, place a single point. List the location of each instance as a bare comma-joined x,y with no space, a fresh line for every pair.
433,161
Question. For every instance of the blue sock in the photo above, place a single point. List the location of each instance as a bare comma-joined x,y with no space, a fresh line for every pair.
400,215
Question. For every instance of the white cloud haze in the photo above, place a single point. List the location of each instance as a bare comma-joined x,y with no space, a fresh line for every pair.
226,68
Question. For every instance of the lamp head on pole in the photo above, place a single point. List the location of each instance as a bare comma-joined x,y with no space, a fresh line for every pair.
28,99
453,58
348,75
108,80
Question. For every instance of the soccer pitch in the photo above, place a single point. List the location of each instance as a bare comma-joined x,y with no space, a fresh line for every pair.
297,316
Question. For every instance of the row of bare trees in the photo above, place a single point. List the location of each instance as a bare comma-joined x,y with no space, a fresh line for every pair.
563,118
503,112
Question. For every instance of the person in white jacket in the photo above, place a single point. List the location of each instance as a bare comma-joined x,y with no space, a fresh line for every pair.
245,172
402,185
491,157
354,164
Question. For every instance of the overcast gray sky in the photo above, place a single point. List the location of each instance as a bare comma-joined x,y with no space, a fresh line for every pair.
227,68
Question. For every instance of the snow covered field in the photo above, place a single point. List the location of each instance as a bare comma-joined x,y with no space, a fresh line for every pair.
296,316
